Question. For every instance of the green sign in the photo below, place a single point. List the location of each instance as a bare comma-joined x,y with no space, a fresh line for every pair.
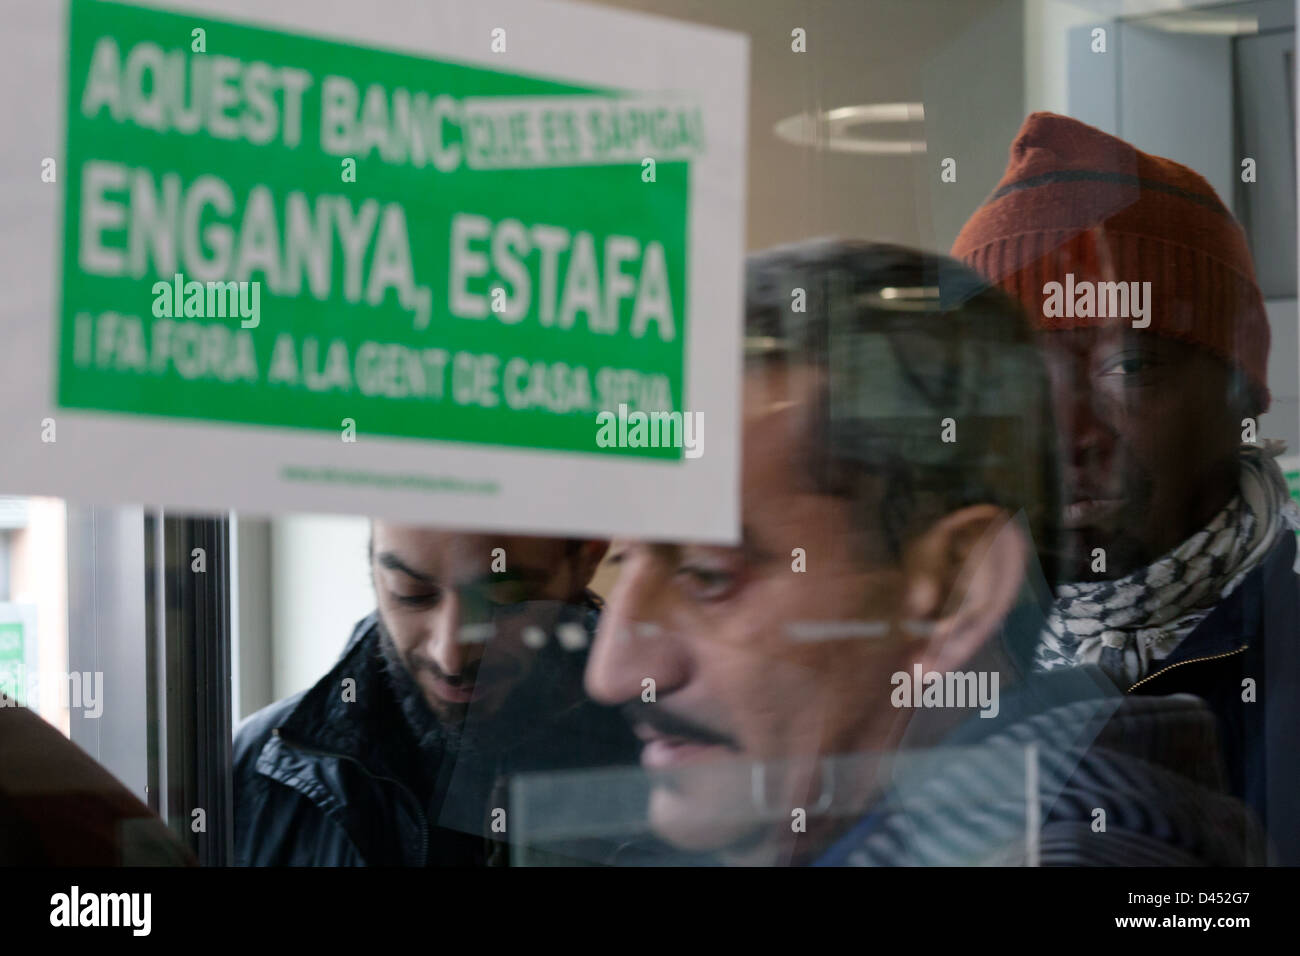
13,661
1293,485
275,229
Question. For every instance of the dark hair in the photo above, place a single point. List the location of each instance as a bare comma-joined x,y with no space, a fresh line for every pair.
571,545
908,339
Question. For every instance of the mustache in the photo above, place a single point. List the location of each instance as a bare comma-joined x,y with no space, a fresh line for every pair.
674,725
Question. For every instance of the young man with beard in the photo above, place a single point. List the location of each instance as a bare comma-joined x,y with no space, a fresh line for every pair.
1179,546
897,478
468,671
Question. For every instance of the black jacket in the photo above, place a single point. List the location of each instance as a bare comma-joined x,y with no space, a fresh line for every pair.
1253,634
321,782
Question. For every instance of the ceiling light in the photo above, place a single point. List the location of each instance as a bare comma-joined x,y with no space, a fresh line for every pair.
1202,25
832,129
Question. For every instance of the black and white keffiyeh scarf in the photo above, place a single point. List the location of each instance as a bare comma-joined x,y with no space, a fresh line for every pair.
1128,625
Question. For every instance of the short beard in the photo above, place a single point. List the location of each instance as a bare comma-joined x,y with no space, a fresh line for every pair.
430,730
541,697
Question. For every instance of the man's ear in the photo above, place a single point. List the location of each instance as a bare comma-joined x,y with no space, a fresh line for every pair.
961,579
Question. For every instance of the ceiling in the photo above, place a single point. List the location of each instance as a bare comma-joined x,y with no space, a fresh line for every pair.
963,59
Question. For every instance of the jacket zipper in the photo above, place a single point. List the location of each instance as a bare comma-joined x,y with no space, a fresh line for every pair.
424,827
1194,660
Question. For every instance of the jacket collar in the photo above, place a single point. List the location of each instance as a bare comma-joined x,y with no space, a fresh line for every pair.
340,712
1236,621
324,734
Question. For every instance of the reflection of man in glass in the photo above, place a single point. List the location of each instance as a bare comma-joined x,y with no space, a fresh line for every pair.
897,475
469,670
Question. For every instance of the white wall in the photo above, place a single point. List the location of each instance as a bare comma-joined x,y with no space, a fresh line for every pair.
1283,419
960,58
1047,25
39,576
320,587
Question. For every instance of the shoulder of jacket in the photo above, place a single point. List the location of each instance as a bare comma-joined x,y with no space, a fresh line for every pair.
255,730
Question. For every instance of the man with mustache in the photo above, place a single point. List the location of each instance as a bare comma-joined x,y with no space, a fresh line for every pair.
1179,549
468,671
897,479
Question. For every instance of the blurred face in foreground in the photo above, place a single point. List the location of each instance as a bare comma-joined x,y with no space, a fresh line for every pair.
740,676
457,608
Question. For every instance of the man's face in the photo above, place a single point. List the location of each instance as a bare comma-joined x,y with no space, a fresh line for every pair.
458,625
1149,437
712,627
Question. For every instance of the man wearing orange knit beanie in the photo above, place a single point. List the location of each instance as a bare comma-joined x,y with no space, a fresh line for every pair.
1179,547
